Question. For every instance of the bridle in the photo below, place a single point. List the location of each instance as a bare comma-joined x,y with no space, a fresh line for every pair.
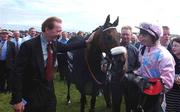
92,74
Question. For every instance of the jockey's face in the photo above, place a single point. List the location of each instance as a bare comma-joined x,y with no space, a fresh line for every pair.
147,40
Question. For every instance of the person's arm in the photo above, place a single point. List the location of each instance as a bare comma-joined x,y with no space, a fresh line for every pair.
71,46
76,45
167,71
20,66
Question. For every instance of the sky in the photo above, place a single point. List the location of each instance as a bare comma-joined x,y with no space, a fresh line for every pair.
86,15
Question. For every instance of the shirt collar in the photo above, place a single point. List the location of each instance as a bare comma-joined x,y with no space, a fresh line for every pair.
43,39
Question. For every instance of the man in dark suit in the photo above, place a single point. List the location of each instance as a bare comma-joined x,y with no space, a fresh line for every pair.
33,88
7,56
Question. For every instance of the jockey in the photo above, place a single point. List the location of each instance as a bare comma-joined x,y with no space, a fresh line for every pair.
156,63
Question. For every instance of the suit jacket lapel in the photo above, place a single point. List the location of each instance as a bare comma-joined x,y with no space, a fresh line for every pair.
39,56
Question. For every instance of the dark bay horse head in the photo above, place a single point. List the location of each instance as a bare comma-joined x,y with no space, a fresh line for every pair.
105,38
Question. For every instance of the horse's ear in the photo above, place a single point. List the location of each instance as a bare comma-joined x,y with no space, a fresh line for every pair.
107,20
116,22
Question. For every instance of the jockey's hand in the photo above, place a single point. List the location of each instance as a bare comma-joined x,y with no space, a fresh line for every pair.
143,84
19,107
90,38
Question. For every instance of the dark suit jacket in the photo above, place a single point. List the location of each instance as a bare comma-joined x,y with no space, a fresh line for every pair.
10,56
29,66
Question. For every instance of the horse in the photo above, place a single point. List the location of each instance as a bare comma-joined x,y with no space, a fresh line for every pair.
105,38
87,63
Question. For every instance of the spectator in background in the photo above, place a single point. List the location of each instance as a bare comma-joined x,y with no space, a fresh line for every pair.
0,34
73,34
81,34
7,57
31,34
10,35
139,44
26,33
165,39
173,96
69,35
64,38
134,39
17,40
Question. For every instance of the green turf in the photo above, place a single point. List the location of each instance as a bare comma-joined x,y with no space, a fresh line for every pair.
61,91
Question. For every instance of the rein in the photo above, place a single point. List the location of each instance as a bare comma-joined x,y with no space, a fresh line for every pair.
92,74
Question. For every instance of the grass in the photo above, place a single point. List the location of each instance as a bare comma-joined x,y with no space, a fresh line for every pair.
61,91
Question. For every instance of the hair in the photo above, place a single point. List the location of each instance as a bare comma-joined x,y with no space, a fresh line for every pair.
127,28
176,39
79,32
165,27
49,23
31,28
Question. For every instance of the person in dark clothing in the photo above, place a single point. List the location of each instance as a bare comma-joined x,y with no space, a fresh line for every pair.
7,57
120,87
173,96
33,78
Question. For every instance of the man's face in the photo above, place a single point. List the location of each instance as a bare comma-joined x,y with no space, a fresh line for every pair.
165,38
176,48
146,40
133,38
32,33
64,34
126,36
16,34
4,36
55,32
